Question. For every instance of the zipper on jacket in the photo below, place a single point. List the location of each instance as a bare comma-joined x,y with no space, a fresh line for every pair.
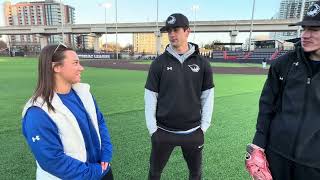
309,80
300,54
301,119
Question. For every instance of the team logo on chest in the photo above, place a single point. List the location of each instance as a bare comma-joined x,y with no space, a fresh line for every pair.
194,68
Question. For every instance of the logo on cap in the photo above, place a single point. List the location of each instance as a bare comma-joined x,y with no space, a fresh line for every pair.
171,20
314,10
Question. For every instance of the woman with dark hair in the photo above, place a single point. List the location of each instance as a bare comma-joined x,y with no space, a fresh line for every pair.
62,123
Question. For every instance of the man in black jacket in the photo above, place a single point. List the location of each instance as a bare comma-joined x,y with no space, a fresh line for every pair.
288,125
178,100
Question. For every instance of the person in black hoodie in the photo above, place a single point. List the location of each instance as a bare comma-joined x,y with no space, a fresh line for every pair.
178,100
288,125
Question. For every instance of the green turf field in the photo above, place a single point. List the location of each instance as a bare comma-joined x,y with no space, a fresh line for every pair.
119,94
217,64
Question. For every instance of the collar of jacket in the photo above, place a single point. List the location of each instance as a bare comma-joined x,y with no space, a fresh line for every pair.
301,54
193,50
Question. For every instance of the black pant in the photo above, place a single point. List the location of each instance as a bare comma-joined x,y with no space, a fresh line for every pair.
163,143
108,176
284,169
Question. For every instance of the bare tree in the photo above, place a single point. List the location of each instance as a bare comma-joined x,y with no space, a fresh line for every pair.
214,45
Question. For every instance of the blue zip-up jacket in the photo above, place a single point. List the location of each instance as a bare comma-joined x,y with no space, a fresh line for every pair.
42,136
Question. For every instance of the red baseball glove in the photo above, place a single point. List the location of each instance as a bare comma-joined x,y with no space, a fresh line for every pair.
257,164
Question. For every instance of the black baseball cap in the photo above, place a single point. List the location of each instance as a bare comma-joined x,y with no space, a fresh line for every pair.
175,20
312,17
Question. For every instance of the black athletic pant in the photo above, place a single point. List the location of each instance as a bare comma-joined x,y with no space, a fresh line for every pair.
284,169
108,176
163,143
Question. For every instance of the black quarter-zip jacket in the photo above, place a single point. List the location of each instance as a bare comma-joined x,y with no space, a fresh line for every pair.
294,131
179,87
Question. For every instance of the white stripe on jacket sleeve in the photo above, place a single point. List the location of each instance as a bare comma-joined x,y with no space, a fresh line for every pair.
207,101
150,101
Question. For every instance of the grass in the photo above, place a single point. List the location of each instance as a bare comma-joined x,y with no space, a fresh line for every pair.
119,94
217,64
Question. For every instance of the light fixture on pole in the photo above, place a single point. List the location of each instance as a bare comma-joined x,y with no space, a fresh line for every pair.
105,6
251,27
194,8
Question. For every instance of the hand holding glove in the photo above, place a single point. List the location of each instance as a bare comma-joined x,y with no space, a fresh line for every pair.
256,163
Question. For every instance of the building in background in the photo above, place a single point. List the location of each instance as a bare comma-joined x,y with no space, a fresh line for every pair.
146,43
40,13
85,42
290,9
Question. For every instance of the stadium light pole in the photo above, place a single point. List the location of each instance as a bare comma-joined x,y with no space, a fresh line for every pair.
251,27
62,20
301,17
157,23
158,35
194,8
116,4
105,6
